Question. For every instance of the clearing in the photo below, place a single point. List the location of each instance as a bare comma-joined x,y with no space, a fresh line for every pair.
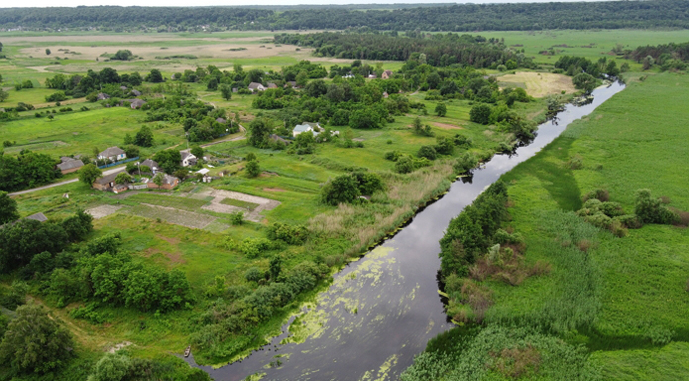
538,84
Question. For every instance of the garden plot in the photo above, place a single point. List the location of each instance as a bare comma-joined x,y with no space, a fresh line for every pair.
171,215
252,205
103,210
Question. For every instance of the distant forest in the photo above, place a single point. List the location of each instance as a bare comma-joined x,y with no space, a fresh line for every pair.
458,18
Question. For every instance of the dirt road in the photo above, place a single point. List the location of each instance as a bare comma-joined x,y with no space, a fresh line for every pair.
105,173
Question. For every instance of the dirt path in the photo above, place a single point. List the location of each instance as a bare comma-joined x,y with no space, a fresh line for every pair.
105,173
217,206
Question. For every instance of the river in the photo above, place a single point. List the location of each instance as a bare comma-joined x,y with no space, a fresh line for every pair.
381,310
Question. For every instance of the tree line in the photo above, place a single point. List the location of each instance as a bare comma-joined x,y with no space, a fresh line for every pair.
459,17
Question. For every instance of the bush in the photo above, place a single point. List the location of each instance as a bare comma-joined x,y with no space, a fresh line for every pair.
599,194
480,114
342,189
404,164
253,169
392,155
237,218
652,211
428,152
292,234
465,163
253,274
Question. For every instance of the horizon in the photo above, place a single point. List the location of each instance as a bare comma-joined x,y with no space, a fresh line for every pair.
283,3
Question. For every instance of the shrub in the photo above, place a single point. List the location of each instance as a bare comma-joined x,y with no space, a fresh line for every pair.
652,211
342,189
599,194
253,274
392,155
253,169
404,164
237,218
465,163
480,114
630,221
368,182
428,152
292,234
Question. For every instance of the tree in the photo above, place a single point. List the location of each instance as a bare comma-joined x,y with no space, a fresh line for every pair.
252,168
169,160
34,343
78,226
584,82
89,173
648,62
363,119
144,137
154,76
3,95
197,151
275,267
428,152
441,109
404,164
123,178
212,84
480,113
302,78
158,179
8,209
316,88
226,91
259,131
47,52
122,55
112,367
342,189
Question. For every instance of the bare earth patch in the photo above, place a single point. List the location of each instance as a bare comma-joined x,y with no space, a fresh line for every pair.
174,258
274,190
216,204
103,210
448,126
172,215
538,84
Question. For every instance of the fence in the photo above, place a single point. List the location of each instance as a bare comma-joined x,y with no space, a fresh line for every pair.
118,163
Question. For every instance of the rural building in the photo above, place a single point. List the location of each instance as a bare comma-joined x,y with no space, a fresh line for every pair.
136,93
151,164
385,94
69,165
123,88
188,159
221,120
386,74
292,84
348,76
203,171
277,138
105,183
103,96
40,217
271,85
137,103
255,86
112,154
372,76
169,182
234,89
306,127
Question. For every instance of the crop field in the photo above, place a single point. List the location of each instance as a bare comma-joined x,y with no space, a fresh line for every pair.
538,84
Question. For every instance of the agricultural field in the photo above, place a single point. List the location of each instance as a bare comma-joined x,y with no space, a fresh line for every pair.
244,233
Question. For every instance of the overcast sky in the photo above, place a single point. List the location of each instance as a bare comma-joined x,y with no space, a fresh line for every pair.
181,3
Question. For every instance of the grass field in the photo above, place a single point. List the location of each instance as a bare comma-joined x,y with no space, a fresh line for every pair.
641,298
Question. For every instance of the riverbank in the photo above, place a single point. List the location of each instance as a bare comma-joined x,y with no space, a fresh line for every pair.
624,299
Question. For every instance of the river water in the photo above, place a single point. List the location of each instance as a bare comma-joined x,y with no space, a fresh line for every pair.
381,310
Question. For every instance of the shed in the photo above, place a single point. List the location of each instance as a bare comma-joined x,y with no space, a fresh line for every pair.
40,217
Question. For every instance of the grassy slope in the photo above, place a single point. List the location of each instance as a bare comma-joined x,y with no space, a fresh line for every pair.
635,140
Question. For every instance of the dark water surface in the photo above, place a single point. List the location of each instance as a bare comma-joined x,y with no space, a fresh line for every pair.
381,310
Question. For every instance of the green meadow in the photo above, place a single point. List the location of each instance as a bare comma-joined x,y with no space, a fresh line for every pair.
633,316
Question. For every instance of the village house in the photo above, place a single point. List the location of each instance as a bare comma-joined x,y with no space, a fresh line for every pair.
271,85
136,93
372,76
150,164
255,86
277,138
169,182
314,128
188,159
103,96
105,183
40,217
292,84
136,103
69,165
112,154
386,74
221,120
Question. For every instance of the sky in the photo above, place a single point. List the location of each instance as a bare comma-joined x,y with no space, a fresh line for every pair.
182,3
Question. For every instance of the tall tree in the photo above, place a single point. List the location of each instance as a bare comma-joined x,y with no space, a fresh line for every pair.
35,343
89,173
8,209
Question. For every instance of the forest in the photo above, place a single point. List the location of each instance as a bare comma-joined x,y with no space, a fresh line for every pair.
461,17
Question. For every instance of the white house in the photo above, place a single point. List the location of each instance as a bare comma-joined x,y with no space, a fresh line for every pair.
314,128
112,154
255,86
188,159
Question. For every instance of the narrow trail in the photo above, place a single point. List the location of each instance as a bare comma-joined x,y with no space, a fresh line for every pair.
105,173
